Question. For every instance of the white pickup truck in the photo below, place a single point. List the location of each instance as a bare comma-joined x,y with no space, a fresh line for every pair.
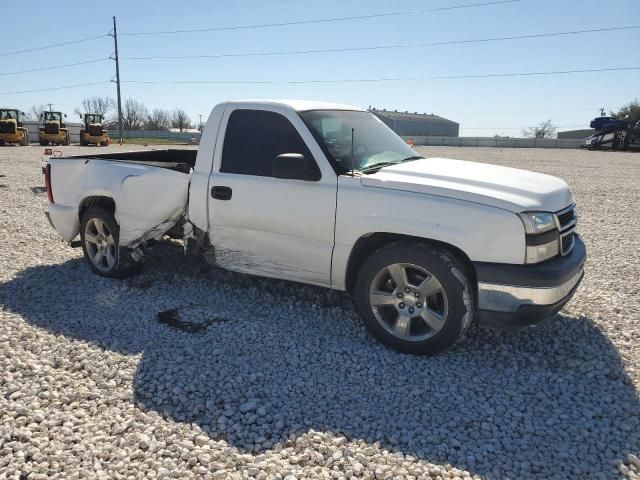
328,195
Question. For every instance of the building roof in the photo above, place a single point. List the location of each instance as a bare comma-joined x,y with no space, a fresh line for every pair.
415,116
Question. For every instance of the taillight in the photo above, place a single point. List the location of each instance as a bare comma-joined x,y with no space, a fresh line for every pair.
47,182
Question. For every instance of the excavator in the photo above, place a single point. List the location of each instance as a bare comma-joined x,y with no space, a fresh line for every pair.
92,132
54,131
613,134
11,128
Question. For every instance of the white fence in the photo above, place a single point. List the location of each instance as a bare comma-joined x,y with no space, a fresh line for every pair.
32,127
496,142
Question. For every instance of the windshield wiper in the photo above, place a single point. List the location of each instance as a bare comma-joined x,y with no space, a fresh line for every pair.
374,167
413,157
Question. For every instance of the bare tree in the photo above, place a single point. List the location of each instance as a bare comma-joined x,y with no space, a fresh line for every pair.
36,112
100,105
544,130
134,114
180,119
629,112
158,119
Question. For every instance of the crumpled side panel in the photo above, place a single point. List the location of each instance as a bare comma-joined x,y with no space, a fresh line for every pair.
149,204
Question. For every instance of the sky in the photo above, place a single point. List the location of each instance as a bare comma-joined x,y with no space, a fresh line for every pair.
482,106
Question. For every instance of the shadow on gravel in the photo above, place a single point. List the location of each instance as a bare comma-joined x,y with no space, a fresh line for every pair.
283,359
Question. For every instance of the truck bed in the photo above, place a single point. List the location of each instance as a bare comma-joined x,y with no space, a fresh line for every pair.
172,159
149,190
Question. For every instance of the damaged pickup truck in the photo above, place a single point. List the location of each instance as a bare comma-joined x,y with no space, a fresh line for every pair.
328,195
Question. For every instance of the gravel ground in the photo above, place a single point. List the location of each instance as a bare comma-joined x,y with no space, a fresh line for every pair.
188,371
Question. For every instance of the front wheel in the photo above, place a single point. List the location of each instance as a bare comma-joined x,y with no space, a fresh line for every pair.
414,298
99,235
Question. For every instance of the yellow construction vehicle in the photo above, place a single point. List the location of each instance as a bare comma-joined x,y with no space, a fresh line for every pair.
92,133
54,131
11,128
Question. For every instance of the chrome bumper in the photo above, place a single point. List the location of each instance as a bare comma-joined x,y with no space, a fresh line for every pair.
509,298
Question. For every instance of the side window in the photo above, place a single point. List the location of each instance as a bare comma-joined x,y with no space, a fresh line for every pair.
254,138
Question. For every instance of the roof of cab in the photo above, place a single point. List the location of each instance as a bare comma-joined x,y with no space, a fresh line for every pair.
302,105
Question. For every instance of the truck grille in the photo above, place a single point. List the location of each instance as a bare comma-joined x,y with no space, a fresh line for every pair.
7,127
567,220
566,217
95,130
51,128
566,244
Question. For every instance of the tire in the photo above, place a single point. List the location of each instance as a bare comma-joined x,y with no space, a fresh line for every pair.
67,139
402,319
99,232
43,143
25,140
1,143
82,142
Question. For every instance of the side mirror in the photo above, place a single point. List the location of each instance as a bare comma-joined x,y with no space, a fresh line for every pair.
65,115
295,166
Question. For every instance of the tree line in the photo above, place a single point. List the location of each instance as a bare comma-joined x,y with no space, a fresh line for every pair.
135,114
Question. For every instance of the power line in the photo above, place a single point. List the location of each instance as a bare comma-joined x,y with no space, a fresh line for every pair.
321,20
386,47
55,67
54,45
54,88
388,79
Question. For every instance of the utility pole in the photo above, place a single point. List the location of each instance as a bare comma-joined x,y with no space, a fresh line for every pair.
200,115
115,57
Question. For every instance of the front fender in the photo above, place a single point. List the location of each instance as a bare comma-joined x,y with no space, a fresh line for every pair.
483,233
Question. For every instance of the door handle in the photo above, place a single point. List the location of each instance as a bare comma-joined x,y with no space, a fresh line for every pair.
221,193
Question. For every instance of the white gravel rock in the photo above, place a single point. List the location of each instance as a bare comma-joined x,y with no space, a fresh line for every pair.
282,381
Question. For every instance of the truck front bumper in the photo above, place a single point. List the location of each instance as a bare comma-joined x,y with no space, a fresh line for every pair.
516,296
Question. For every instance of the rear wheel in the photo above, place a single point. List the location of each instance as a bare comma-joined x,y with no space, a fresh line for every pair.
414,298
67,139
83,143
1,143
99,235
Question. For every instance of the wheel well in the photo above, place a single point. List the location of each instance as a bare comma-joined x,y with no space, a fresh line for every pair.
103,202
368,244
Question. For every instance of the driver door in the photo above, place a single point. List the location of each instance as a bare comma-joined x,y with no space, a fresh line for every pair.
282,228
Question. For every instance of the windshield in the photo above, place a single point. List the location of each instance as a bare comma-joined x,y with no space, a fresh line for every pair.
373,142
52,116
8,114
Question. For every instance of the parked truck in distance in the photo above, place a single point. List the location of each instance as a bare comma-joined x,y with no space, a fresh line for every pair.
326,194
12,129
93,132
53,131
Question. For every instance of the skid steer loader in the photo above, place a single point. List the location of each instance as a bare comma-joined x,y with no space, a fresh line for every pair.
54,131
92,132
11,127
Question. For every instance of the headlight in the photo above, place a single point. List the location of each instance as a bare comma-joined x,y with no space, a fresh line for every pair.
538,222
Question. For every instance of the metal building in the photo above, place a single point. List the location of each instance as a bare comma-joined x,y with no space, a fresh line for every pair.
417,124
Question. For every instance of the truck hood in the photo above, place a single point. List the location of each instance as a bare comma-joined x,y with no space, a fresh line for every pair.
501,187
